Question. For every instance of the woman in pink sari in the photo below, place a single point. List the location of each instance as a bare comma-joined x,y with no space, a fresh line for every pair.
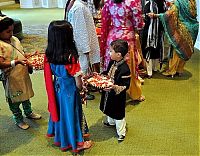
120,18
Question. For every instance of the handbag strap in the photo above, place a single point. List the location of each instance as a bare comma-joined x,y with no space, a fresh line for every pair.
17,49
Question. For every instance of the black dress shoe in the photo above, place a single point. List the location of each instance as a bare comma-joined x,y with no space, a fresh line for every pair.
90,97
149,76
121,138
108,125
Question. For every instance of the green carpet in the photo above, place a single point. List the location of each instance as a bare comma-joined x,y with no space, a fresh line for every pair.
166,123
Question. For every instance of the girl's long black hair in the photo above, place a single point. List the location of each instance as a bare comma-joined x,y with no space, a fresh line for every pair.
5,23
61,46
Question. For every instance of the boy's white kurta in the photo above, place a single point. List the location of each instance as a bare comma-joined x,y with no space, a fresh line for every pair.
84,34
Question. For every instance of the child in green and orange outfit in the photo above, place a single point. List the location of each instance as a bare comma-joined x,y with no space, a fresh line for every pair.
17,83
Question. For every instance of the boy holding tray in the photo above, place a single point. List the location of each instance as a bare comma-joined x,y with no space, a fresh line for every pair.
113,99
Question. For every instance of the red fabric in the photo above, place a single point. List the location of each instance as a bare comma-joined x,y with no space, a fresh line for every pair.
73,68
98,31
52,106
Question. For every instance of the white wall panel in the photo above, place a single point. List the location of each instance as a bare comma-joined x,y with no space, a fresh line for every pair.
49,3
30,3
62,3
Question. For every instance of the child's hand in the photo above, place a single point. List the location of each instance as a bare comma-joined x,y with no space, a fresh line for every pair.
27,55
22,62
95,73
109,88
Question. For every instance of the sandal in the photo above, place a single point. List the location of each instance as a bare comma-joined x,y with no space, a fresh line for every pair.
86,145
34,116
141,98
167,74
23,125
86,135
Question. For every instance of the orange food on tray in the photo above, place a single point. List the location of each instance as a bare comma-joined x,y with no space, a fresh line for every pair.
100,81
37,61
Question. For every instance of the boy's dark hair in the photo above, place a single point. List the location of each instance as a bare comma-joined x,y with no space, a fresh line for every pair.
97,4
61,46
5,23
120,46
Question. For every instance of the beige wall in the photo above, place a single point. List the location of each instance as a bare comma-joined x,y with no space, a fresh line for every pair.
5,0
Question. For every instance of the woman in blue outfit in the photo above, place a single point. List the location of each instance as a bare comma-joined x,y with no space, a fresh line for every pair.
63,82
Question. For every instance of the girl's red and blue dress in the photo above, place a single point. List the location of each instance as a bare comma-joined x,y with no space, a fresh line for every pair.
64,105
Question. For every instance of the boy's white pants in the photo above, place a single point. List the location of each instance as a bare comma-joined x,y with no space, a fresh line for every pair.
120,125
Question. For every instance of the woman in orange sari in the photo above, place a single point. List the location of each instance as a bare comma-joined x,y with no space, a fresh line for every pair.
181,27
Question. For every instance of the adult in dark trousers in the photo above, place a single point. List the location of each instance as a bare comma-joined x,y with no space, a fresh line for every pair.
152,36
